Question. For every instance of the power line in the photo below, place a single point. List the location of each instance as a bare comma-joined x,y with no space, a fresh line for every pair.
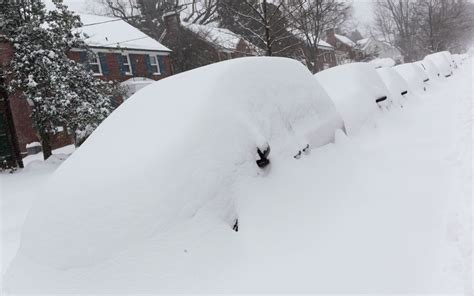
126,41
98,23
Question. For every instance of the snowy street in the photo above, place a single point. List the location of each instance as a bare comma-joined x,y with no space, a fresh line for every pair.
386,210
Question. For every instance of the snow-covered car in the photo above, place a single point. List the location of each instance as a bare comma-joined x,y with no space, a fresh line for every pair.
171,152
442,62
430,69
398,87
357,91
414,75
384,62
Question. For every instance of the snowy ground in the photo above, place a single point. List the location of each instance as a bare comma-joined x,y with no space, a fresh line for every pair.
387,210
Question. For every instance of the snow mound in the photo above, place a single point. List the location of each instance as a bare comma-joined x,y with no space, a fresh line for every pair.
442,62
413,75
173,150
399,89
355,89
385,62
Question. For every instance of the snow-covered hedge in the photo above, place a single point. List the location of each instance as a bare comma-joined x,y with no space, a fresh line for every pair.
385,62
172,150
355,89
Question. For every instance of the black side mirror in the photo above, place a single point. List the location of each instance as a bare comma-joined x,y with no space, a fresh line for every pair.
263,161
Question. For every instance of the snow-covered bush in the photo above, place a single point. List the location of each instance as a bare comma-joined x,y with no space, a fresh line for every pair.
442,62
171,151
413,75
357,91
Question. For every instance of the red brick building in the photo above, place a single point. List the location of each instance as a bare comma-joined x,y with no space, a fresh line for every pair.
121,52
346,50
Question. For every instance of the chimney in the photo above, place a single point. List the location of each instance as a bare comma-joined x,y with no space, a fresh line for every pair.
172,21
331,36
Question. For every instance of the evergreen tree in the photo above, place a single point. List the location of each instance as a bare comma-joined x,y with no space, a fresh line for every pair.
60,91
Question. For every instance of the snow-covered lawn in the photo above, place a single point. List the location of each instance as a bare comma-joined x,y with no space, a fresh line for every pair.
386,210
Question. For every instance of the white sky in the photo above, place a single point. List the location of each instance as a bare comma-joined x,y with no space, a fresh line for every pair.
362,12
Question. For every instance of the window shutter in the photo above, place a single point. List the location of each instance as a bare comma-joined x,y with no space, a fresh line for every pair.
83,57
120,62
103,63
161,62
149,72
133,65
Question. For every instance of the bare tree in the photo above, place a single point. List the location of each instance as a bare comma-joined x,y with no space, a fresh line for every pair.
418,27
395,21
310,19
264,22
443,23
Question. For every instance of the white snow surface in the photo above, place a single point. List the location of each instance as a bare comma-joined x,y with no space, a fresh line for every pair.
413,75
195,141
109,32
383,211
222,37
354,88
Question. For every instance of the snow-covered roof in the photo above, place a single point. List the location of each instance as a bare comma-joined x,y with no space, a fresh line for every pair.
362,43
220,36
345,40
323,43
103,31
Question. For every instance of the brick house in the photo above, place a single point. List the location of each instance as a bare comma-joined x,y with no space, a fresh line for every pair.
346,50
199,45
120,53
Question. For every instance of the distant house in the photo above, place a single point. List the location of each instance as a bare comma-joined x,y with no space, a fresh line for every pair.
346,50
326,57
200,45
373,48
120,52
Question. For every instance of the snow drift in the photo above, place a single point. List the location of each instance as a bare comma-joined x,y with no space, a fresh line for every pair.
355,90
172,150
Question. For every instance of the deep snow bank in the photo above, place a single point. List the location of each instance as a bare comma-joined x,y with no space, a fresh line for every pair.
355,89
171,150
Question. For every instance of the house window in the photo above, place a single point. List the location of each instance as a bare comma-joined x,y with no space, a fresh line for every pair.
94,64
126,68
155,67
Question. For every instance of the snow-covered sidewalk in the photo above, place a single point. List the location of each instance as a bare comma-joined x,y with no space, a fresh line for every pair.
387,210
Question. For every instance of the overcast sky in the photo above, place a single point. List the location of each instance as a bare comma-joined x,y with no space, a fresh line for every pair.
362,12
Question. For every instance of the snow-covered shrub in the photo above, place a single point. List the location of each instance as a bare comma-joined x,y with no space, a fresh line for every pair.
355,89
442,62
413,75
171,151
